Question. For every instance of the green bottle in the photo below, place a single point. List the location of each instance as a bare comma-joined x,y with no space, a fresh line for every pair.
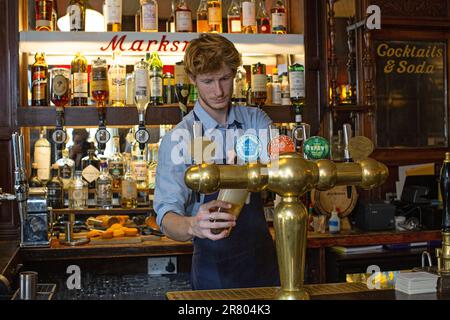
156,79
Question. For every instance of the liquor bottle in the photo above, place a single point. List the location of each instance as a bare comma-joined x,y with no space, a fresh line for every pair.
215,16
99,82
78,192
34,181
139,168
202,17
262,18
170,24
259,80
183,17
44,10
116,165
297,88
104,187
269,89
129,85
77,15
55,16
240,87
234,17
156,79
55,195
149,16
42,156
39,72
248,20
285,90
279,17
112,10
153,149
128,198
117,82
90,170
169,95
137,20
444,186
141,85
276,88
79,80
66,169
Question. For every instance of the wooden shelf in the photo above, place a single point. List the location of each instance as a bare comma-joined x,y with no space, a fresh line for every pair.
100,211
122,116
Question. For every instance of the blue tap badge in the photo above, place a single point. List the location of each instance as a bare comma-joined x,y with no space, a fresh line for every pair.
248,148
316,148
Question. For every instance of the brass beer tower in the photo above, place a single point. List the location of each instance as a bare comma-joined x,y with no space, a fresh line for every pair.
290,176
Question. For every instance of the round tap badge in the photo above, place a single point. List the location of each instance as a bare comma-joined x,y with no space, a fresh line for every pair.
316,148
279,145
248,148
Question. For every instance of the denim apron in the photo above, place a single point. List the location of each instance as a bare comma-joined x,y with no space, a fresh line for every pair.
245,259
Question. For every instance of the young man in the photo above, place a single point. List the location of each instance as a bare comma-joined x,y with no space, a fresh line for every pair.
246,257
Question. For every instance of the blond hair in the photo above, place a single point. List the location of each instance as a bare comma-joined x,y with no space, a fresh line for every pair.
209,53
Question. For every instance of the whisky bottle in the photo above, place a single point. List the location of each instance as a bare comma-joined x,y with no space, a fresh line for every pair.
183,17
104,187
117,82
149,16
55,16
262,18
91,170
99,82
55,195
240,87
276,88
39,73
170,24
234,17
34,181
42,157
44,10
66,169
279,17
116,165
215,16
202,17
169,87
297,88
248,24
156,79
77,15
112,10
79,80
259,81
137,20
141,85
128,198
78,192
285,90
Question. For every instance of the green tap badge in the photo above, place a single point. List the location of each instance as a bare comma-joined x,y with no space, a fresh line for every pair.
316,148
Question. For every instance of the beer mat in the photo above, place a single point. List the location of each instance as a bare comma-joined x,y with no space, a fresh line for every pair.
267,293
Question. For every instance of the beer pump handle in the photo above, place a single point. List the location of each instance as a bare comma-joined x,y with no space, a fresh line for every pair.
445,192
347,156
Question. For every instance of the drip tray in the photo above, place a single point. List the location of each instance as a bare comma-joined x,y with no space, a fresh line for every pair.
45,291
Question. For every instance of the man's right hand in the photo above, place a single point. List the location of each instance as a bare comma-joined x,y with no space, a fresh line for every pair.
202,223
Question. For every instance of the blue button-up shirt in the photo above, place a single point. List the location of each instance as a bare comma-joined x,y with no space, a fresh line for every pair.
171,193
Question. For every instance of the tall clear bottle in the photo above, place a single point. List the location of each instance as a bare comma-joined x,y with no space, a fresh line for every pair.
77,15
234,17
276,88
149,16
139,168
279,17
170,25
66,169
202,17
104,187
128,199
112,11
117,82
183,17
78,192
91,171
141,85
262,18
285,90
156,79
248,20
116,165
215,16
39,84
42,156
79,80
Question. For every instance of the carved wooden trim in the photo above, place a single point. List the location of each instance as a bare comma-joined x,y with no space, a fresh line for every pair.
413,8
332,57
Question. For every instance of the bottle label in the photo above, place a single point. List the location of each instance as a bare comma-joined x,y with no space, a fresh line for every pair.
279,21
149,17
156,86
248,14
141,82
55,196
77,194
183,21
74,17
43,23
116,169
104,190
60,85
236,26
118,82
180,74
99,79
297,84
80,85
152,177
129,189
42,156
259,82
113,12
90,173
140,170
39,85
65,172
215,15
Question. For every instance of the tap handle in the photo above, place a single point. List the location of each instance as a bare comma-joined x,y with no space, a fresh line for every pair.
306,131
347,136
